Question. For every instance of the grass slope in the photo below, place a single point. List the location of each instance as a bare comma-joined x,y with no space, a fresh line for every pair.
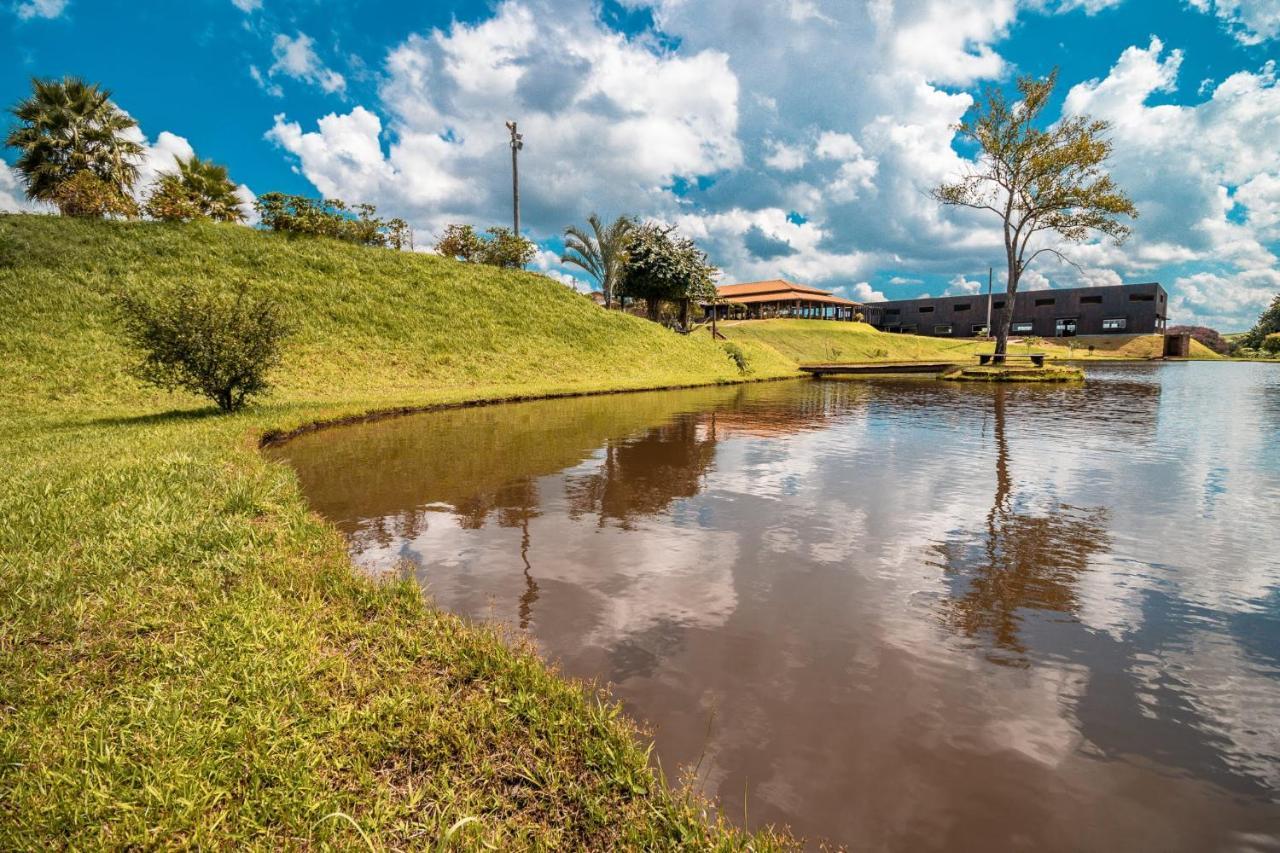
186,657
808,341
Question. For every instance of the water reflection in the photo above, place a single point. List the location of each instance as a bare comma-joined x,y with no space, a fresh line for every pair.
1020,560
641,475
898,615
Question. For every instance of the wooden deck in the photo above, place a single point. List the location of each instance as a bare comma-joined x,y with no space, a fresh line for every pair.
865,368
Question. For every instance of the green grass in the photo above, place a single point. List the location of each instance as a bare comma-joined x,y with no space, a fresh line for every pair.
813,341
991,373
186,656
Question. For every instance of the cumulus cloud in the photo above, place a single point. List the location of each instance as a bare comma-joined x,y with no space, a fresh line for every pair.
608,123
247,5
40,9
1216,197
864,292
827,189
297,58
1249,21
13,198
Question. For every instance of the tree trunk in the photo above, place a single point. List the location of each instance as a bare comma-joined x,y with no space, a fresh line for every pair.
651,307
684,313
1006,319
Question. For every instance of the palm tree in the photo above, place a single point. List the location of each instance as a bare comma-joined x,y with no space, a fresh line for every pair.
600,253
210,190
69,126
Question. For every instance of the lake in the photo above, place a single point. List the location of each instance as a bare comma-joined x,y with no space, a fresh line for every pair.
889,614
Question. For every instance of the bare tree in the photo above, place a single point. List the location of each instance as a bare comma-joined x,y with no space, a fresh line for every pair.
1037,180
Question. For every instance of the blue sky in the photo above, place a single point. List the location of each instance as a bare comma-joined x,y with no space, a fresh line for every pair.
792,138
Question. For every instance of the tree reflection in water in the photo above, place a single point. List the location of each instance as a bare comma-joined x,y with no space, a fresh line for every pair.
1020,562
642,475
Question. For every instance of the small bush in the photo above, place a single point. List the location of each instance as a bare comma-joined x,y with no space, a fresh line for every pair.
217,344
737,356
501,248
1271,343
86,195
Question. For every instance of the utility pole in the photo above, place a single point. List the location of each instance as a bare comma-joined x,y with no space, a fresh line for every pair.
517,142
990,273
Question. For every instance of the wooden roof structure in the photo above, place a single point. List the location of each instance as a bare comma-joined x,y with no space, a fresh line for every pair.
777,290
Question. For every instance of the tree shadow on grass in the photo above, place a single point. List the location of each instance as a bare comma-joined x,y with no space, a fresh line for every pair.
153,418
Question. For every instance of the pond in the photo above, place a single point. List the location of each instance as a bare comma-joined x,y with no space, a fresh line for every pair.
889,614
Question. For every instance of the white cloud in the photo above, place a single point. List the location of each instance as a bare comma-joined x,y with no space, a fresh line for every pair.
548,263
247,5
785,158
13,197
864,292
849,139
961,286
40,9
272,89
607,122
1223,299
297,58
1249,21
1215,199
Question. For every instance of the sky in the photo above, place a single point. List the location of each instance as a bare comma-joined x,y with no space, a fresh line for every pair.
790,138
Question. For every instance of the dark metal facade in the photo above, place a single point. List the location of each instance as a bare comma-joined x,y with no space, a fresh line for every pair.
1128,309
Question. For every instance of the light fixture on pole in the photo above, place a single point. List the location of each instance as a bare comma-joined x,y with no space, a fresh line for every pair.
517,142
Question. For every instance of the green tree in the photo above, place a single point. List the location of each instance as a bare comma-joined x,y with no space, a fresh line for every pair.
1271,343
502,247
600,253
200,189
662,267
1037,180
331,217
219,344
69,126
1267,324
505,248
460,242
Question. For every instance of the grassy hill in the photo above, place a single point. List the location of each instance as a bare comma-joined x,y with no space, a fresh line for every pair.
186,656
807,341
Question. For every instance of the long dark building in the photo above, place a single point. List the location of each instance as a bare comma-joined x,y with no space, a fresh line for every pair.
1127,309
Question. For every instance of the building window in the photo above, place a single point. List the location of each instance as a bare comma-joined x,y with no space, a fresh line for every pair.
909,330
1141,297
1022,328
963,306
1065,328
979,329
1090,300
1041,303
999,303
892,312
1114,325
942,329
927,309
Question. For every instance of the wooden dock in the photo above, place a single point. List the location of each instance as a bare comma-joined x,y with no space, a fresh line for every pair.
869,368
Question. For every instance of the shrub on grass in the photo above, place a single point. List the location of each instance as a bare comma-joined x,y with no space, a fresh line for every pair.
219,344
501,248
737,356
1271,343
86,195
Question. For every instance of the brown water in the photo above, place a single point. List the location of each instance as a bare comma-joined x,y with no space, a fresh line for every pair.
894,615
